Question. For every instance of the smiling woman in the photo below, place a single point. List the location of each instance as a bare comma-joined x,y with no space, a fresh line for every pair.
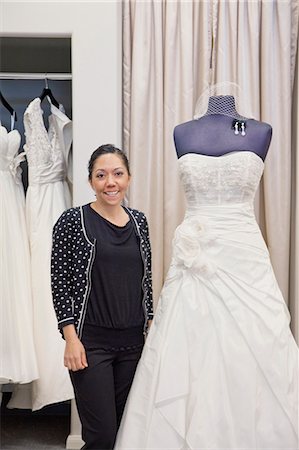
101,285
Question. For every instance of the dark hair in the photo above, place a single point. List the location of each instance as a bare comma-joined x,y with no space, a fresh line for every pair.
104,150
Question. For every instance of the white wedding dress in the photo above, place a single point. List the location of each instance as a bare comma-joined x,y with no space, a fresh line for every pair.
47,197
219,368
17,351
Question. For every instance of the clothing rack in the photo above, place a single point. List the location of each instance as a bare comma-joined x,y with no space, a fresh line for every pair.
35,76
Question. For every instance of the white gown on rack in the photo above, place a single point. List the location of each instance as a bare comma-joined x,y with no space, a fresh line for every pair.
47,197
17,352
220,366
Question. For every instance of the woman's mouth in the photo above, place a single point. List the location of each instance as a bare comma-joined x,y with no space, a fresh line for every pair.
111,193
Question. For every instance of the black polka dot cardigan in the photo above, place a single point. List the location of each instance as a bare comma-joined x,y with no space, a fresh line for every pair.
73,253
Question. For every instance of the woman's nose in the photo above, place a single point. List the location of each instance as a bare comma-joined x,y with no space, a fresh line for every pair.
110,179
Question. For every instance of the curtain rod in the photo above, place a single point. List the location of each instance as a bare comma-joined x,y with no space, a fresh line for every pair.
35,76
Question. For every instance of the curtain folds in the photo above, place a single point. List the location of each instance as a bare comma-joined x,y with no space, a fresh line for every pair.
294,254
168,48
256,48
166,62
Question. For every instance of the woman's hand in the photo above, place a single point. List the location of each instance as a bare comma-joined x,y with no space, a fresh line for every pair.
74,354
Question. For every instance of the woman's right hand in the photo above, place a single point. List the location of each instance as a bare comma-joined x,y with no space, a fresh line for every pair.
74,354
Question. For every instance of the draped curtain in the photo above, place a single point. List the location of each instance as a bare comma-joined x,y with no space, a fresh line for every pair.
294,255
171,52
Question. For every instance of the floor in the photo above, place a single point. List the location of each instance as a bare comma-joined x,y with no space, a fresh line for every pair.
47,429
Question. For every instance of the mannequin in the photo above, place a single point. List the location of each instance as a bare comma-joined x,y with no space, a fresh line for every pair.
222,130
219,369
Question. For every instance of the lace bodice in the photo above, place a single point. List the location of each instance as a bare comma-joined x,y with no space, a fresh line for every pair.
228,179
45,150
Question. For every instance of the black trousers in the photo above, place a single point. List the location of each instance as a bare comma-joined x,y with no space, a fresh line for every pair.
101,392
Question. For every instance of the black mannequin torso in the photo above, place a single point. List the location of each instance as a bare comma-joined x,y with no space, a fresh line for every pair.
214,135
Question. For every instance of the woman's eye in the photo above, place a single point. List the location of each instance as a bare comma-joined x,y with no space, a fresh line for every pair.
100,175
119,174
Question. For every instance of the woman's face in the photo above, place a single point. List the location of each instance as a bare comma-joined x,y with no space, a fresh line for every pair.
109,179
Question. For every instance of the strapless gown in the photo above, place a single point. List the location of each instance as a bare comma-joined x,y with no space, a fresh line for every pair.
18,363
219,368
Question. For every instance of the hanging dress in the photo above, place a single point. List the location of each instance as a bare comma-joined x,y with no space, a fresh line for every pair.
17,351
47,197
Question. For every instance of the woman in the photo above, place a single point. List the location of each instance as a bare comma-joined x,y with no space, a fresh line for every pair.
101,284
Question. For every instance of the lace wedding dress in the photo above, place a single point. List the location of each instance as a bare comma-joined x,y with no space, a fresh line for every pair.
220,366
47,197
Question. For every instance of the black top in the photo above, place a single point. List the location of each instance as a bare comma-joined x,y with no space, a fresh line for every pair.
115,299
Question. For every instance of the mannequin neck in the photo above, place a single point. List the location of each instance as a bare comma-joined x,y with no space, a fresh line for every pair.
223,104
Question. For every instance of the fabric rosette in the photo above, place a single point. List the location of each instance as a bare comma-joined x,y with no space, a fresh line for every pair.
191,239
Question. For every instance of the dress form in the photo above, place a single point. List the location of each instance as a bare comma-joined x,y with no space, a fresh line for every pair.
221,324
219,131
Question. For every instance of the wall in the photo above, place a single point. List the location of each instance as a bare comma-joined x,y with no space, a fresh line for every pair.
95,28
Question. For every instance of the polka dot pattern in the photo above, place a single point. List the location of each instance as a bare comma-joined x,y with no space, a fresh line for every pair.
71,264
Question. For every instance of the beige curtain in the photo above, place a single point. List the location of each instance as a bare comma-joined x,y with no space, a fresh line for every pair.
294,257
166,62
168,47
252,50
